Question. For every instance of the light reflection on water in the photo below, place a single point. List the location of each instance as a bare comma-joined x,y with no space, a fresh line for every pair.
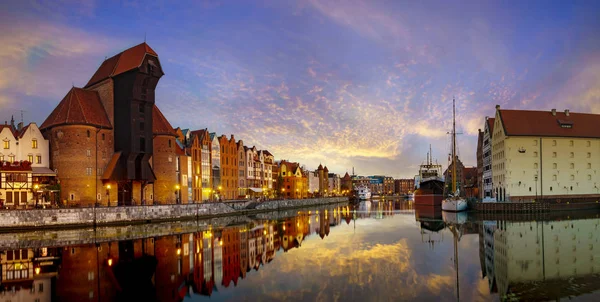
373,251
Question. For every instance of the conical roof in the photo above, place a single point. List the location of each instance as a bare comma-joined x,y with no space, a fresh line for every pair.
78,107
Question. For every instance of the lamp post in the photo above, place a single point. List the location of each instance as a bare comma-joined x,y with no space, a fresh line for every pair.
219,192
177,189
536,179
283,193
297,193
35,192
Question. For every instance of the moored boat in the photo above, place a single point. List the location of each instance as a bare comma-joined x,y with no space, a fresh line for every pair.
454,202
363,192
430,185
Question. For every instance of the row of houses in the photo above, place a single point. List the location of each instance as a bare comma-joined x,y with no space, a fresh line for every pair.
109,144
526,155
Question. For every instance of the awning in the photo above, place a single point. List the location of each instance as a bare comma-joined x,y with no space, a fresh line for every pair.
257,190
111,165
42,171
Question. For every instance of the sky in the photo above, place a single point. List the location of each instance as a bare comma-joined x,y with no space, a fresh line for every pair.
363,84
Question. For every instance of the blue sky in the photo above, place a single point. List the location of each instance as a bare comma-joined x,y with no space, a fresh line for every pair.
350,83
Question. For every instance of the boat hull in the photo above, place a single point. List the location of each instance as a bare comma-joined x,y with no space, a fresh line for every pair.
454,205
432,200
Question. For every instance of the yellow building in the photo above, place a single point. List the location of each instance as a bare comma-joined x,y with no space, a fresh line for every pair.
546,155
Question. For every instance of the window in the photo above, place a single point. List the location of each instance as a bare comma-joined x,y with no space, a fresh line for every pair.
141,107
572,166
589,143
535,154
553,142
554,177
550,188
571,155
103,136
554,166
88,152
571,143
589,177
535,165
6,144
535,142
1,158
88,171
30,158
553,154
11,158
38,159
572,177
169,143
589,165
88,133
589,155
529,189
142,144
34,143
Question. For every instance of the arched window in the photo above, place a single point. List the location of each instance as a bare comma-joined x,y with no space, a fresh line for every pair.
89,134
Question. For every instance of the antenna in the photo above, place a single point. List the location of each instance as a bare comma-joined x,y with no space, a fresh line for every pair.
22,115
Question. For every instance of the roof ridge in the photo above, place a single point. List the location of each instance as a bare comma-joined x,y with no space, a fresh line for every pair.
80,107
71,92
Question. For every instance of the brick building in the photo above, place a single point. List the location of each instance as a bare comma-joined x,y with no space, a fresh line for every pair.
103,134
404,186
294,180
229,167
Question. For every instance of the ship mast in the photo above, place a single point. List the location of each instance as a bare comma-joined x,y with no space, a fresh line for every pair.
453,147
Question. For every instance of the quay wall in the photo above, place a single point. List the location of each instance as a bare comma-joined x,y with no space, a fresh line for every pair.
532,207
53,237
100,216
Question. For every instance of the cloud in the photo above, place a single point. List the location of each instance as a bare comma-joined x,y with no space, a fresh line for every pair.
42,60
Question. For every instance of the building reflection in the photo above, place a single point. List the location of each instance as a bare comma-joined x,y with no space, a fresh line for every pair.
168,268
541,260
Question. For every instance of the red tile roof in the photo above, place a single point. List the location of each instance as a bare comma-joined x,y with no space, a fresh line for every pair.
78,107
125,61
491,124
543,123
160,125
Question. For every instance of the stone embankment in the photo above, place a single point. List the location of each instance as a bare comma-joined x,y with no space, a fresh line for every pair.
85,217
48,237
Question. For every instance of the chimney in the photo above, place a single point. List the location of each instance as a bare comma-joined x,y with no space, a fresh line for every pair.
567,112
553,111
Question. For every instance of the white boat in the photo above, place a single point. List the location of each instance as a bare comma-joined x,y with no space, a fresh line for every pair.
363,192
454,203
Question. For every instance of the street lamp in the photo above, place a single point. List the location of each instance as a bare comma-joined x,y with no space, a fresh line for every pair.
35,188
297,193
177,188
108,194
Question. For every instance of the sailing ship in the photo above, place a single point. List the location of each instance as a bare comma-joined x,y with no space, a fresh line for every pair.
430,185
453,202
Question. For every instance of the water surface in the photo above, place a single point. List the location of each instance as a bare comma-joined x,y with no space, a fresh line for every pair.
374,251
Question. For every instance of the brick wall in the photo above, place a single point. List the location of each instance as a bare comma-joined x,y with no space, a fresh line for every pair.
73,155
164,166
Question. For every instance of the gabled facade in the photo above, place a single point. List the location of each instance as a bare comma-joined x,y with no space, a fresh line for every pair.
480,162
25,176
295,181
229,167
215,161
487,180
242,169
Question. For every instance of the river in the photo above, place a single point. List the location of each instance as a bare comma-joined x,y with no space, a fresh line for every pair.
374,251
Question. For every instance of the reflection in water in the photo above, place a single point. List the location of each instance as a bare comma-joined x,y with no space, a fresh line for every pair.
382,250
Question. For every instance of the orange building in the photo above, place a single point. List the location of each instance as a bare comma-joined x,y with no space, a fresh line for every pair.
229,167
199,146
295,180
231,255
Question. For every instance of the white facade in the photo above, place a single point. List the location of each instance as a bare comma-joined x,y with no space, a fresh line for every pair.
333,184
313,181
487,194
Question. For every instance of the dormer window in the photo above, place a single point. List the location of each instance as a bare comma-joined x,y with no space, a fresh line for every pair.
565,124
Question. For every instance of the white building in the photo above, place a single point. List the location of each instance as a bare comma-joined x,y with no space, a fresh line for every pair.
313,181
333,184
549,154
487,194
21,184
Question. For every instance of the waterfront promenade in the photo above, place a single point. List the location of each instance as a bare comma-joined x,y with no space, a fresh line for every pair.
101,216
